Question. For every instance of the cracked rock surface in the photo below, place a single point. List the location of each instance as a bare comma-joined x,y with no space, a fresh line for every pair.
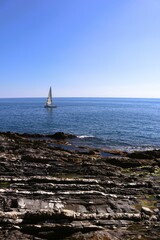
51,191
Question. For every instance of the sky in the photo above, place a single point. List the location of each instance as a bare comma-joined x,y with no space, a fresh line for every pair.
82,48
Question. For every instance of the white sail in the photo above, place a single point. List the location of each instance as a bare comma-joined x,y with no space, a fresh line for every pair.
49,102
49,99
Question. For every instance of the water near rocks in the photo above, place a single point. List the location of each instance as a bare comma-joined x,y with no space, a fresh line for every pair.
116,123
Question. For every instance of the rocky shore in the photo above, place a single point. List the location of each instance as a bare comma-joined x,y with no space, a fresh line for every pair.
50,189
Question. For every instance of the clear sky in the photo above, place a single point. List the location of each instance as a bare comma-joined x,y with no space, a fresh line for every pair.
82,48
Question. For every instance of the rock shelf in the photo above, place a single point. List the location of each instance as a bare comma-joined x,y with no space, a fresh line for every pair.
49,191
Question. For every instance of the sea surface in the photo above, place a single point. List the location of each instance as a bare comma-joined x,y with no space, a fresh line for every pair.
108,123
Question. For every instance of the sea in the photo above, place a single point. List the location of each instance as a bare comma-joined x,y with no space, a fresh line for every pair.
107,123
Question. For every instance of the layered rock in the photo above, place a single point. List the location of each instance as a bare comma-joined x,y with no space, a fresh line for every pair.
50,192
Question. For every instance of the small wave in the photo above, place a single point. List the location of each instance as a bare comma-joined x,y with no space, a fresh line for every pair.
140,149
85,136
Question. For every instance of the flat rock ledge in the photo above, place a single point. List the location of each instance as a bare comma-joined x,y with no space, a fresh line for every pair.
50,189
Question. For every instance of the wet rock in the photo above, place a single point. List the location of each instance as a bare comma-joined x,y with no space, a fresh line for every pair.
62,135
145,154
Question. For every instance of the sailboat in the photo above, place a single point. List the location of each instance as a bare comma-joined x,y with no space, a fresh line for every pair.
49,102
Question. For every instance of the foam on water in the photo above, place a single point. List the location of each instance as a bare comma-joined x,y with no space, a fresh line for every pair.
85,136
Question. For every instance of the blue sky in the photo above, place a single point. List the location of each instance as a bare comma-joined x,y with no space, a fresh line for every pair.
82,48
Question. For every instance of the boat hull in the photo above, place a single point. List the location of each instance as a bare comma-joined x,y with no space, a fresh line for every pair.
50,106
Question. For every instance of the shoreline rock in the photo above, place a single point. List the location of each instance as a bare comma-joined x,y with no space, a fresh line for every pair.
51,191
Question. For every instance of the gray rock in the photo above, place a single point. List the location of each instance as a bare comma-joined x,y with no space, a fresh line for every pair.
53,193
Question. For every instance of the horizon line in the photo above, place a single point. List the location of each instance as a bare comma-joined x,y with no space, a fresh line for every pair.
83,97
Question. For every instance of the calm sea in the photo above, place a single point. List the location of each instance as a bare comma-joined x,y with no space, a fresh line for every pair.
100,122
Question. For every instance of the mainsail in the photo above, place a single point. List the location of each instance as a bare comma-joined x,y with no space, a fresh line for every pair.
49,102
49,99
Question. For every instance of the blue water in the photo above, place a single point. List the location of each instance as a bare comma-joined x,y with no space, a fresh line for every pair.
100,122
